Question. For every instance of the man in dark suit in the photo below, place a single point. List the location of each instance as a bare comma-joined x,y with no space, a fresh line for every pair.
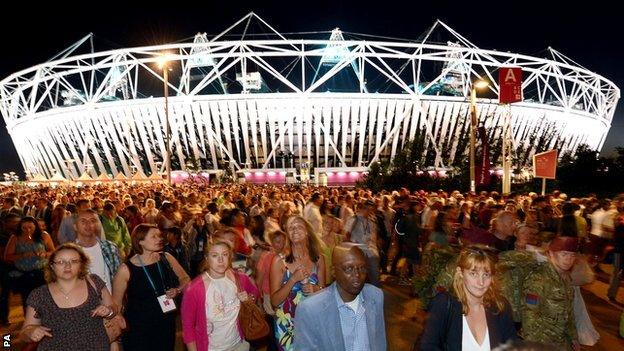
347,315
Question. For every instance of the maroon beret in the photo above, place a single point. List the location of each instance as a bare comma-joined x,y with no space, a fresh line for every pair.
564,243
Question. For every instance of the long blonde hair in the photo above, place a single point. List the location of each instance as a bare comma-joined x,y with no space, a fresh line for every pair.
470,258
313,242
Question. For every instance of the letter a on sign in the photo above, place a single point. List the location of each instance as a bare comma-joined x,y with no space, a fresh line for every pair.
510,82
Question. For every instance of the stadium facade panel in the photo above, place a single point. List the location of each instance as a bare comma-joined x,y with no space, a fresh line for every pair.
271,104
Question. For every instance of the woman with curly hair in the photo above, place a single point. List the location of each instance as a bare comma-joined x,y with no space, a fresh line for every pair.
67,312
474,316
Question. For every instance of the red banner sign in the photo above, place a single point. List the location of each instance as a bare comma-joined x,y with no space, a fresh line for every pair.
510,83
545,164
483,168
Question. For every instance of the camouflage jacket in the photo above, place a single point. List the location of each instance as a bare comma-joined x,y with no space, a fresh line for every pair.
430,276
548,313
512,270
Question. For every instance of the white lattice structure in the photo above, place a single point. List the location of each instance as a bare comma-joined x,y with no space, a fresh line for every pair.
242,103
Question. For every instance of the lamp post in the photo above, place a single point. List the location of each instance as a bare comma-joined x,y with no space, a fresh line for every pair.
473,128
163,64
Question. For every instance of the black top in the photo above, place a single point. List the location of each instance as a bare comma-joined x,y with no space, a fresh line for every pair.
149,328
443,330
72,328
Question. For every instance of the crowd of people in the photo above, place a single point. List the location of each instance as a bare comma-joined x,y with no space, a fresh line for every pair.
311,258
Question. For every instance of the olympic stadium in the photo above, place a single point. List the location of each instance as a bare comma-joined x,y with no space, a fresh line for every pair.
262,105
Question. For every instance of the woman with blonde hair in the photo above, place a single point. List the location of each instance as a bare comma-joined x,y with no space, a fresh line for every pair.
293,278
212,301
474,316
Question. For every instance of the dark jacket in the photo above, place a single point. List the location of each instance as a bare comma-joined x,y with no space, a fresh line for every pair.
443,330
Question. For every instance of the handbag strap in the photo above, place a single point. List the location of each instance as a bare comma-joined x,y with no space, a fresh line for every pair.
239,289
90,282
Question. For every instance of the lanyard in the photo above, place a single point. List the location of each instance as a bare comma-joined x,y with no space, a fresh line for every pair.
148,276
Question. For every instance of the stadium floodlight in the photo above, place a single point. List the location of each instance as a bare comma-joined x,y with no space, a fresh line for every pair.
163,63
59,109
336,50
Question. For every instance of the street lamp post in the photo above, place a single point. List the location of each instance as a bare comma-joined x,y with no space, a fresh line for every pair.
473,128
162,63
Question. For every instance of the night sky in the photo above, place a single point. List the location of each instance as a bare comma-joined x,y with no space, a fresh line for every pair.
590,34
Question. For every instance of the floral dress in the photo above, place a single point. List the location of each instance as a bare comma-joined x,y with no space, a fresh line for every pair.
285,312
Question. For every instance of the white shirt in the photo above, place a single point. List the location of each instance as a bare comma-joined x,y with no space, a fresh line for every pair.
345,213
469,343
355,304
270,225
312,214
601,220
222,306
98,267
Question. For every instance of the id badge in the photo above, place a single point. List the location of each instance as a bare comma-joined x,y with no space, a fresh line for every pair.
166,304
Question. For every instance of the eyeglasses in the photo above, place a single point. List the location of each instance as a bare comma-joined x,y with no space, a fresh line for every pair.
351,270
65,263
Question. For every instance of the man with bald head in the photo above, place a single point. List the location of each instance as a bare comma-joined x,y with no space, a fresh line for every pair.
503,229
348,314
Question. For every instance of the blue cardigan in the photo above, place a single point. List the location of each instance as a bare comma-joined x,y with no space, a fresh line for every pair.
443,330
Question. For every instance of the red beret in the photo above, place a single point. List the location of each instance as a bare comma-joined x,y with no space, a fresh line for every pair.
564,243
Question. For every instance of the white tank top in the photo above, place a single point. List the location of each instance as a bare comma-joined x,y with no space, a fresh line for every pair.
469,343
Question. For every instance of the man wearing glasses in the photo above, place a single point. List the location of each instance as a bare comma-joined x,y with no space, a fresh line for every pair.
347,315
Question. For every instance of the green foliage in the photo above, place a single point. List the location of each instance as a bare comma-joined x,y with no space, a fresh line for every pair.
409,169
585,172
227,176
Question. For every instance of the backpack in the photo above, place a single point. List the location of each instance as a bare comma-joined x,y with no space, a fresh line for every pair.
512,269
435,273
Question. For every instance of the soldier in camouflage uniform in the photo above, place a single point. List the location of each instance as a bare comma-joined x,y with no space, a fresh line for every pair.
548,313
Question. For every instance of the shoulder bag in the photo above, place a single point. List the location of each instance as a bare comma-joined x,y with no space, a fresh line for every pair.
114,326
251,317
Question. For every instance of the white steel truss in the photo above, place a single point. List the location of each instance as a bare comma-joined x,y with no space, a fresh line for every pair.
246,102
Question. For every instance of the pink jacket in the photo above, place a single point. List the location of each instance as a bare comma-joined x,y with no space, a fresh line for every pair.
194,324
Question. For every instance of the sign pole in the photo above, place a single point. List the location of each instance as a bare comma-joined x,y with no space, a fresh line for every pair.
545,167
507,151
510,91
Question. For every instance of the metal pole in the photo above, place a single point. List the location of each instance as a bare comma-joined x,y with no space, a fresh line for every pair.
473,126
168,131
507,152
543,186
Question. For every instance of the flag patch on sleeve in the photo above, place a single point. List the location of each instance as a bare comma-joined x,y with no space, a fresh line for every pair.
532,299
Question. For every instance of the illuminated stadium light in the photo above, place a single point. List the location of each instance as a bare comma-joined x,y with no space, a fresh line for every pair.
279,104
336,50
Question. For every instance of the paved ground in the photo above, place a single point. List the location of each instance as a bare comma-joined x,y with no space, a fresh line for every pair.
404,320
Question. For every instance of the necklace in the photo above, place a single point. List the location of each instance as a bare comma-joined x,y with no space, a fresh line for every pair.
66,294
